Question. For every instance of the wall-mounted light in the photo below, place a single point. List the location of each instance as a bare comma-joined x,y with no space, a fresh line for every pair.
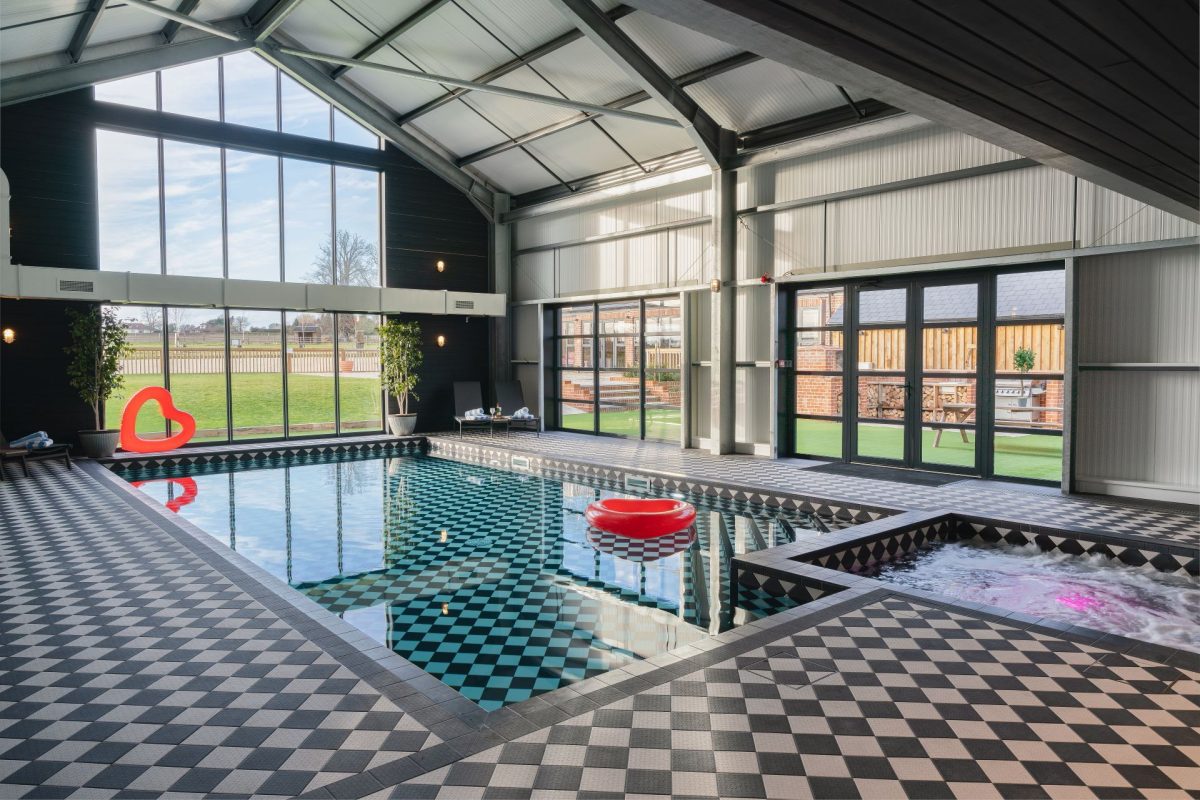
441,266
715,285
9,336
441,340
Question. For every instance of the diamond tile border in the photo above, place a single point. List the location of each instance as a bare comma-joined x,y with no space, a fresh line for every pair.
306,451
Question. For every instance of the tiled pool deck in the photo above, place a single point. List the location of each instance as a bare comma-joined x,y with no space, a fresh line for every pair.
138,657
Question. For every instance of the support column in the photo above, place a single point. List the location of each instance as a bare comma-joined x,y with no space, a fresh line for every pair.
724,376
500,281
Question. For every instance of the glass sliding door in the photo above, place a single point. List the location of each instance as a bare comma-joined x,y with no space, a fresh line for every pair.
1030,356
142,366
881,373
574,390
359,390
819,363
196,369
949,375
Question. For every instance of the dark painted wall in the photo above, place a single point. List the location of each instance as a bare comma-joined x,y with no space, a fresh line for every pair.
463,358
427,220
47,150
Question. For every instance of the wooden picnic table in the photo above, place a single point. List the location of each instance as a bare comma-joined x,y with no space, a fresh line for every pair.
962,412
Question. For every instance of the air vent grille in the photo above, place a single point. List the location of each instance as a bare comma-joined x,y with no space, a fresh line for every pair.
76,286
464,304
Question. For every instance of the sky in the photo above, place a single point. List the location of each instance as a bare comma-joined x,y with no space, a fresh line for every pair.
127,167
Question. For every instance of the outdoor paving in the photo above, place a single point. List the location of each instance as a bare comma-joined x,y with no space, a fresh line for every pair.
139,658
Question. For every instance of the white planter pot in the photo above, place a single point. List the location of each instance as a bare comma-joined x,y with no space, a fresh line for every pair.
99,444
402,424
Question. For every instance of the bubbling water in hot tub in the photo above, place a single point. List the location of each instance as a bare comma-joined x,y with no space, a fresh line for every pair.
1090,591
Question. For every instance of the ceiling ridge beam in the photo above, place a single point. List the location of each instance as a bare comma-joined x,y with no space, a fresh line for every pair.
713,141
381,121
687,79
267,15
485,88
85,29
395,32
523,60
171,29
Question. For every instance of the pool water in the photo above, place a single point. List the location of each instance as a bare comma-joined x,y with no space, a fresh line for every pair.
1090,591
489,580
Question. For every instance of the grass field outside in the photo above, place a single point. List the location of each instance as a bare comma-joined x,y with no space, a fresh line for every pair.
257,404
661,423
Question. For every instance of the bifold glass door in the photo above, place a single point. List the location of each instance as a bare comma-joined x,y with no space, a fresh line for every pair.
954,373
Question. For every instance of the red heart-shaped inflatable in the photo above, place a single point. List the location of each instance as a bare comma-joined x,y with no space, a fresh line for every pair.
135,444
190,491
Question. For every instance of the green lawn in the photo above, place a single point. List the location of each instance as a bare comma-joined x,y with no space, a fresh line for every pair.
1020,456
257,403
661,423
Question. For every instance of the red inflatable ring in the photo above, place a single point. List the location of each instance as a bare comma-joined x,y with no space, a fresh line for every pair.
640,519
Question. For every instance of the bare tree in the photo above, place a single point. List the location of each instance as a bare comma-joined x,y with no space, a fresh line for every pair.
354,262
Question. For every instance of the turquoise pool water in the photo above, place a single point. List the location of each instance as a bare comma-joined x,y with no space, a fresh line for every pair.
487,579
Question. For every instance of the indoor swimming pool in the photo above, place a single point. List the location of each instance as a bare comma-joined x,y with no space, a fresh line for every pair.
487,579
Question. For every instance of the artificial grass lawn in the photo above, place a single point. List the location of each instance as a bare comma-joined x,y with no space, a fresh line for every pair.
1021,456
257,399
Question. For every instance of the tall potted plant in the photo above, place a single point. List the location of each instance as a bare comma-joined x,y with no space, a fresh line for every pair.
1023,360
98,342
400,359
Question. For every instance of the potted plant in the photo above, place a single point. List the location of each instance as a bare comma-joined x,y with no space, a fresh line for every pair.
1023,360
98,342
400,358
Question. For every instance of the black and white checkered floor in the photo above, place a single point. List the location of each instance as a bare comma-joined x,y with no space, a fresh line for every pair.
137,659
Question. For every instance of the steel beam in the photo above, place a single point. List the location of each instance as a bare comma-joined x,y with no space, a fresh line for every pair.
687,79
88,73
713,142
267,15
479,87
380,120
171,29
182,19
83,31
522,60
392,34
723,373
812,124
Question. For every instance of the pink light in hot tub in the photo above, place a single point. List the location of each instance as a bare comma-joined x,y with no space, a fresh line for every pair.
1077,601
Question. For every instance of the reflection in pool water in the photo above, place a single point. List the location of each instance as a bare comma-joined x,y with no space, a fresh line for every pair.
487,579
1090,591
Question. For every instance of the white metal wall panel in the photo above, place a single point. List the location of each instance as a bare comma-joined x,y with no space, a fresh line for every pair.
400,94
674,203
1140,307
693,256
449,42
911,154
1107,218
1007,211
526,329
752,404
678,50
520,116
321,26
36,40
1139,426
752,324
634,262
521,24
533,276
783,243
763,93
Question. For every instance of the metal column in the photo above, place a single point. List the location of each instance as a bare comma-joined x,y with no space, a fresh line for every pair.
723,418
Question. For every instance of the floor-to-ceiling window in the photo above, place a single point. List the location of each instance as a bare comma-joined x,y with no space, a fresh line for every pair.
617,368
208,210
818,364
